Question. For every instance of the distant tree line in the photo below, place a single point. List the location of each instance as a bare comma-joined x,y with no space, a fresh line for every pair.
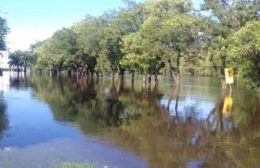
159,36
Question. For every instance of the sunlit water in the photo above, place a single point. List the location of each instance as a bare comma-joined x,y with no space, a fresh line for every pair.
45,122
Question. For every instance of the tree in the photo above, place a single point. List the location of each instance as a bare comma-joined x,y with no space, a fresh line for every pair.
89,36
56,51
3,32
21,60
140,56
132,51
245,50
125,22
15,60
171,30
226,17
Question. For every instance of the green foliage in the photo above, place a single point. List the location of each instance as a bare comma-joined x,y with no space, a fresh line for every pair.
3,32
21,59
225,18
53,53
151,36
245,50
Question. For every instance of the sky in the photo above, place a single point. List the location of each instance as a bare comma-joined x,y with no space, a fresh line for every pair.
35,20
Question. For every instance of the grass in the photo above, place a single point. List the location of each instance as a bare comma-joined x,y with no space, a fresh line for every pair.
72,165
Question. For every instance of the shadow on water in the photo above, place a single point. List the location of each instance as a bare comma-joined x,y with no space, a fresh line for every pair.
167,126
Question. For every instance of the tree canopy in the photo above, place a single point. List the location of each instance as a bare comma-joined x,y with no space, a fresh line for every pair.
159,36
3,32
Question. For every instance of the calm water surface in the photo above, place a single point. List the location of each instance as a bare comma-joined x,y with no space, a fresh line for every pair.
45,122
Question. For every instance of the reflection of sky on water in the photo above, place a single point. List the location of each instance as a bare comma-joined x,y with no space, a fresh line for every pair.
188,105
36,136
74,150
30,121
34,139
4,82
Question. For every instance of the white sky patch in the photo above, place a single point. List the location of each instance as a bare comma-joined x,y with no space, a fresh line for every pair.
23,37
30,21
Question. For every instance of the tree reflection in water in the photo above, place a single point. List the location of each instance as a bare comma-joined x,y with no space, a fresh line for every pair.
133,118
3,118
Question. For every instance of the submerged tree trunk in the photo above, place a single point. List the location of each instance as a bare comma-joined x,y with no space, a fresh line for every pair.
122,75
132,77
57,72
92,74
156,79
25,70
18,69
176,77
175,71
97,74
69,73
223,82
113,76
144,81
121,87
50,73
77,73
150,79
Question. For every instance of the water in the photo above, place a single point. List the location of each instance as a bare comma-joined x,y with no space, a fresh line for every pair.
45,122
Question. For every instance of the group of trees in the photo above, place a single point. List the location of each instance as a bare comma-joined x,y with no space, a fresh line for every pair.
159,36
3,32
21,60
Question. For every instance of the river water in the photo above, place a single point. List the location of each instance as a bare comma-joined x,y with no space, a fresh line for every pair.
45,122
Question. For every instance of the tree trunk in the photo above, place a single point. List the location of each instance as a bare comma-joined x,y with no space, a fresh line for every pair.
25,69
121,87
149,79
97,73
50,73
77,72
223,82
25,72
69,73
113,76
122,75
57,72
92,74
144,81
132,77
176,93
176,77
175,71
156,79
